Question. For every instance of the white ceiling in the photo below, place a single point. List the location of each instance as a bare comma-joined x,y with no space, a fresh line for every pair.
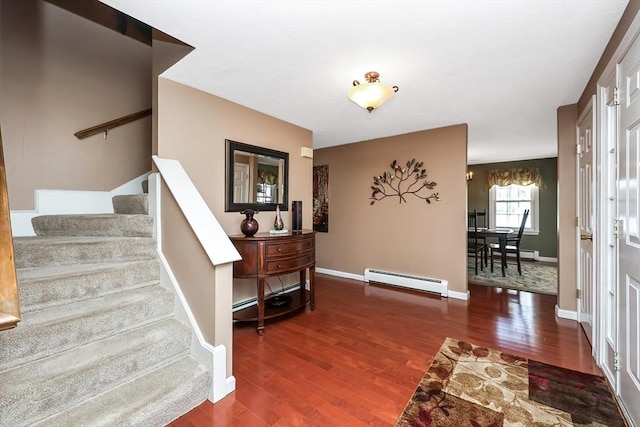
501,66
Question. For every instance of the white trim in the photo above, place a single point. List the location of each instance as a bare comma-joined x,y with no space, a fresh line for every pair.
204,224
221,253
586,119
451,294
132,187
215,358
60,202
155,183
566,314
342,274
532,255
534,212
606,207
460,295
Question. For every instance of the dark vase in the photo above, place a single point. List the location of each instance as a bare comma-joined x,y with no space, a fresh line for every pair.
249,226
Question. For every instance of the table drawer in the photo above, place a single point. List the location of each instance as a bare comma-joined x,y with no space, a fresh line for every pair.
275,249
284,265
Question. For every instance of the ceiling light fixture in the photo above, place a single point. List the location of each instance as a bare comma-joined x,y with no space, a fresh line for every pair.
371,94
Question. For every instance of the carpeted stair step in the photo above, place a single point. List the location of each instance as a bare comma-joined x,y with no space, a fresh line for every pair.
46,332
155,399
43,251
131,204
93,225
45,287
50,385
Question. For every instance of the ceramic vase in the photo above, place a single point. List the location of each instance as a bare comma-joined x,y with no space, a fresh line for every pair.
249,226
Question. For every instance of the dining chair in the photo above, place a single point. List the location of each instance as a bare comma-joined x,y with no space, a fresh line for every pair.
475,247
482,218
482,223
512,244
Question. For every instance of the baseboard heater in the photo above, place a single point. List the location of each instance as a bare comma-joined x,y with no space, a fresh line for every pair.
420,283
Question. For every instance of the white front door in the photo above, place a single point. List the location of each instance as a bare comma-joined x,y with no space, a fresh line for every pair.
629,241
585,208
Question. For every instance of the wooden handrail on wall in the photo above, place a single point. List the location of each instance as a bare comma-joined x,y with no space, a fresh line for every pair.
9,302
105,127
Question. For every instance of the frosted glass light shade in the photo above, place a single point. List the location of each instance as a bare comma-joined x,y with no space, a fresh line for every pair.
370,95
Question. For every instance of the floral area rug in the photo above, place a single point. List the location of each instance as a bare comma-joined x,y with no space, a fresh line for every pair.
538,278
468,385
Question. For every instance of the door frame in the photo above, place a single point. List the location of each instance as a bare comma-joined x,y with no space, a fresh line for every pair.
587,116
606,208
606,267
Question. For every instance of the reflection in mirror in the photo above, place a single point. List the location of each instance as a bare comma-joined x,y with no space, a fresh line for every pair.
256,178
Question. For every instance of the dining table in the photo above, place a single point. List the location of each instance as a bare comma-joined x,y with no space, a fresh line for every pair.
501,234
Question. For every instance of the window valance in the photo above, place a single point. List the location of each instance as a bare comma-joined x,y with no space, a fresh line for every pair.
518,176
266,177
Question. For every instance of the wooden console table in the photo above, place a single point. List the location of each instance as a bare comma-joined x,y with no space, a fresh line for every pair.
265,255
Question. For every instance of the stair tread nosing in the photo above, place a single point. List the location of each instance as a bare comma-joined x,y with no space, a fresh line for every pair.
49,385
49,286
39,251
57,329
153,399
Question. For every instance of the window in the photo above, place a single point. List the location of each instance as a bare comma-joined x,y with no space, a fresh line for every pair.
266,193
507,205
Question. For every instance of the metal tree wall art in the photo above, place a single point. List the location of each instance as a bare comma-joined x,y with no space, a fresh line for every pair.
402,181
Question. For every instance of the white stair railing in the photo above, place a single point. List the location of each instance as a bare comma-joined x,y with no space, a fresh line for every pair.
198,258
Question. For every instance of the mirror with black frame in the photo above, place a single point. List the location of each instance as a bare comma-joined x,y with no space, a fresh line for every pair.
257,178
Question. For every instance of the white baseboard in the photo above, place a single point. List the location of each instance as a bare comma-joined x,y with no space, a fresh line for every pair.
60,202
532,255
451,294
566,314
342,274
528,254
459,295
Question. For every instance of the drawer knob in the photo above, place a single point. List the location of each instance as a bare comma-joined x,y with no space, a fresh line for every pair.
279,265
279,249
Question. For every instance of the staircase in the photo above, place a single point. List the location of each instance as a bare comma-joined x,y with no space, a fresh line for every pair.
98,344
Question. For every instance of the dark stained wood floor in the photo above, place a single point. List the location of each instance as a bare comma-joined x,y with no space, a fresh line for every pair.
357,359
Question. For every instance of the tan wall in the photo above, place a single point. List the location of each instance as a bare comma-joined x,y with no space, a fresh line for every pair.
623,25
567,258
193,126
60,74
165,54
411,237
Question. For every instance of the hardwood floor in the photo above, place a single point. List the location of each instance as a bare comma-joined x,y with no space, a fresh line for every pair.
357,359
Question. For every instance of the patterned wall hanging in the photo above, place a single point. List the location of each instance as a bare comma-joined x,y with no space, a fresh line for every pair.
321,198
